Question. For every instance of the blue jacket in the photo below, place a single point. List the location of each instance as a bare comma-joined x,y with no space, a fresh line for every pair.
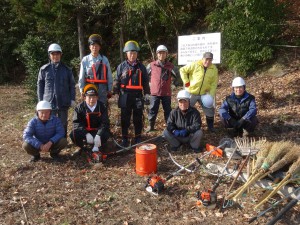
37,133
56,85
238,107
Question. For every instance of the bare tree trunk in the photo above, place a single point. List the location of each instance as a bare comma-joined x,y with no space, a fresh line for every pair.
121,39
80,34
147,36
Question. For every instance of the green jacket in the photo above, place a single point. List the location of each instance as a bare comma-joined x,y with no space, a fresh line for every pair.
194,74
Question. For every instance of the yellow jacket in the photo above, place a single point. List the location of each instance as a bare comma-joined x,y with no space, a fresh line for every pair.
194,74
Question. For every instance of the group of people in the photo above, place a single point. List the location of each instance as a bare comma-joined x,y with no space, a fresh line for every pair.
135,85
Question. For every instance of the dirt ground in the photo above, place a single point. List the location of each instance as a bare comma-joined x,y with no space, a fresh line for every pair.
75,192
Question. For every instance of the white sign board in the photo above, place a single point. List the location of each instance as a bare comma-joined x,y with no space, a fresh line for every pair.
192,47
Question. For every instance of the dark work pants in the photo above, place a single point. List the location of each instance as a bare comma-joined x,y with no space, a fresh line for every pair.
55,148
78,137
63,115
136,109
249,125
193,139
154,106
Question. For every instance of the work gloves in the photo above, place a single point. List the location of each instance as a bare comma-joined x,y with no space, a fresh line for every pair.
147,99
180,133
237,124
240,123
97,143
89,138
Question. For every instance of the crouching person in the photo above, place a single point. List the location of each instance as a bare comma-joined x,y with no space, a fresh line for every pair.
184,124
90,123
44,133
238,110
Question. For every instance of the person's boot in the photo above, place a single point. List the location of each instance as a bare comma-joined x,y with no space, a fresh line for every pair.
150,127
35,158
210,124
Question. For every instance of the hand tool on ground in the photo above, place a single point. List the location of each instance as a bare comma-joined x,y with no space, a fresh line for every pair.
290,205
156,184
273,206
124,149
208,198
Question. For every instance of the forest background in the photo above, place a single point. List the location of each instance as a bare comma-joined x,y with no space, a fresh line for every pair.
253,32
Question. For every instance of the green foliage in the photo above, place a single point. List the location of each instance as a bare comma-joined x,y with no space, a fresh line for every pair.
248,28
34,53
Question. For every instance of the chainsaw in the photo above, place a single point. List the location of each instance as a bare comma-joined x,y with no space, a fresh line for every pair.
156,184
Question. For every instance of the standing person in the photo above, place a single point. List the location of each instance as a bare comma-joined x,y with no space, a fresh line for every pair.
160,73
95,69
132,85
238,110
56,85
44,133
200,78
184,124
90,122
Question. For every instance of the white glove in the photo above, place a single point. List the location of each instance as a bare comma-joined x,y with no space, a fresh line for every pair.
89,138
95,149
97,141
73,104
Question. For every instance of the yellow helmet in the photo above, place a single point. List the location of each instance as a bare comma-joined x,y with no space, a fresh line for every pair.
131,46
95,39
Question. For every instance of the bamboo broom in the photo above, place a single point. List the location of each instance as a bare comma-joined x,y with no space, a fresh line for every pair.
293,170
287,159
261,155
277,150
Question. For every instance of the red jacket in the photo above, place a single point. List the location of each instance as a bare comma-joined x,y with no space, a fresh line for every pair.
161,78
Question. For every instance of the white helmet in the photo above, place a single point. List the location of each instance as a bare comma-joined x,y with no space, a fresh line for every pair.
43,105
207,100
237,82
161,48
54,48
183,94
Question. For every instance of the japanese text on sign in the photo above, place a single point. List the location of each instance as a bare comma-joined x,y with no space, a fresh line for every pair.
192,47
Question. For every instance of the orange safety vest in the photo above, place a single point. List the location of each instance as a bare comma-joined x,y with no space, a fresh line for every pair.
134,87
88,120
95,73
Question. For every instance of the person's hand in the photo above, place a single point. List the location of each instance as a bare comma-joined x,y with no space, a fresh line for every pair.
109,94
176,133
147,99
89,138
73,104
232,122
183,133
240,123
97,141
46,147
